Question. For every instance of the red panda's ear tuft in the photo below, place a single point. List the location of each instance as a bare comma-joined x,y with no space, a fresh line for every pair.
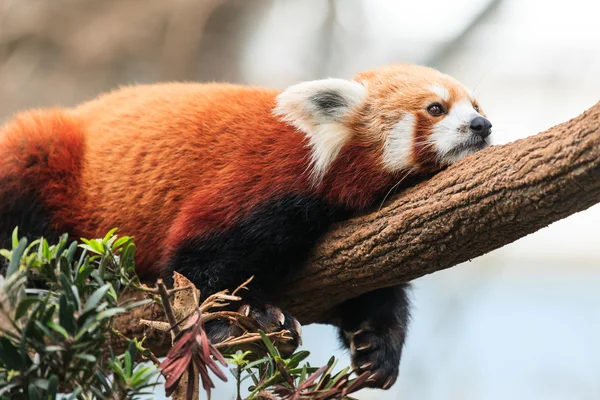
321,109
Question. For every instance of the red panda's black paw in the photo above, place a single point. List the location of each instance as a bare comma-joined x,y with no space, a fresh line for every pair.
255,317
376,353
272,319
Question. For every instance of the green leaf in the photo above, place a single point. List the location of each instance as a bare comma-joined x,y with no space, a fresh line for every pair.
33,393
46,332
71,252
86,357
303,373
143,375
52,349
94,245
121,241
15,237
31,246
49,313
99,394
272,350
57,328
88,327
111,312
83,257
57,250
117,368
256,363
85,270
43,250
109,234
128,364
297,358
327,375
5,253
112,293
66,315
66,286
298,371
52,387
127,259
103,380
337,377
95,298
138,303
24,305
15,259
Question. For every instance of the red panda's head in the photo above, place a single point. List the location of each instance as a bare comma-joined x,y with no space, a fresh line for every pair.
413,117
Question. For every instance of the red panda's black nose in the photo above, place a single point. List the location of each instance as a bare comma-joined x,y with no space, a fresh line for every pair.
481,127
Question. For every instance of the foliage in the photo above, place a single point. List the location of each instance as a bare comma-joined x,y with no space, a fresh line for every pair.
58,304
57,308
285,378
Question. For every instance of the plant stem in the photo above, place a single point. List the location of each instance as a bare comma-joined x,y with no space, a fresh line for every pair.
164,295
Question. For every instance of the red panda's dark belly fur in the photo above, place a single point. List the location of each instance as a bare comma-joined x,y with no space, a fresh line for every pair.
270,242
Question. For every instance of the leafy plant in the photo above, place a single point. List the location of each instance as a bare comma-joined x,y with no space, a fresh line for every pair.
58,305
285,378
57,308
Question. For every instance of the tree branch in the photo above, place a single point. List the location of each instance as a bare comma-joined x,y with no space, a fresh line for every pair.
482,203
477,205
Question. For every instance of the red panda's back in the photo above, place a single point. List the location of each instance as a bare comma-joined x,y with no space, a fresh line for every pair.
133,158
149,147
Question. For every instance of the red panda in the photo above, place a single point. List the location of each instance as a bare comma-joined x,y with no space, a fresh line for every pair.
221,182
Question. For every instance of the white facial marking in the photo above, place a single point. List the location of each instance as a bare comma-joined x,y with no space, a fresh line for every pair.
399,143
440,91
325,128
453,131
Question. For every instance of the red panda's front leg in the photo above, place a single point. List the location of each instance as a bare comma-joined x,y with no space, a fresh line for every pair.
268,243
373,327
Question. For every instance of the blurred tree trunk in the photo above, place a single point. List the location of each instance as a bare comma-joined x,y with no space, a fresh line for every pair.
479,204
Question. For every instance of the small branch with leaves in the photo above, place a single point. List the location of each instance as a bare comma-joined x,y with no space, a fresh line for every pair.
58,308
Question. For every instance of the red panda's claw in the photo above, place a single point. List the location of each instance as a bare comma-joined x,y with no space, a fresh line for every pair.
376,353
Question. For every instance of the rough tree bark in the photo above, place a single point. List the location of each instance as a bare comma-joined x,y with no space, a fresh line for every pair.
477,205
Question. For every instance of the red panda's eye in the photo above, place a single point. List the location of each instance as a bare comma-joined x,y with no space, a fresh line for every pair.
436,109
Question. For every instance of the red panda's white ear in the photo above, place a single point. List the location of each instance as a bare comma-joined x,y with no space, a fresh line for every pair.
321,110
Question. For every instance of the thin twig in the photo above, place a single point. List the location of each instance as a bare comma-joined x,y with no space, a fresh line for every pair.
164,295
250,338
243,286
230,315
146,289
150,356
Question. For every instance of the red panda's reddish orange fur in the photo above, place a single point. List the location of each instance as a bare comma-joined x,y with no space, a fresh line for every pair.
44,150
171,127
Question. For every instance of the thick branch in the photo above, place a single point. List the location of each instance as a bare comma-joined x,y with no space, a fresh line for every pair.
479,204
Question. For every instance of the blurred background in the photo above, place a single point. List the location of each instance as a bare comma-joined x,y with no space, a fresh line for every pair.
522,322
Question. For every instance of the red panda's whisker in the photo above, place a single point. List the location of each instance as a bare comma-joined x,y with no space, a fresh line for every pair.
394,187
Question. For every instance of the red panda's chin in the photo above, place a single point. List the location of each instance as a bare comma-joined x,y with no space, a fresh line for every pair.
470,146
